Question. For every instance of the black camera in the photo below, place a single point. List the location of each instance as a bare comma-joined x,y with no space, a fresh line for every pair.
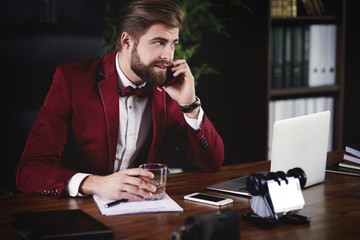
221,224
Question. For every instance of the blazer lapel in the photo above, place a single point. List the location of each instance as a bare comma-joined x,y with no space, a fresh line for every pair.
108,89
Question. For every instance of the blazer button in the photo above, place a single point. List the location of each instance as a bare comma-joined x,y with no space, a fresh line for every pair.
204,143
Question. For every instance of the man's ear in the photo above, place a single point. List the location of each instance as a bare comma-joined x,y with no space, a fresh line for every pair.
126,40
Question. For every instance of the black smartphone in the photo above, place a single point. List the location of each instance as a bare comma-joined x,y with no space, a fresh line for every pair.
169,77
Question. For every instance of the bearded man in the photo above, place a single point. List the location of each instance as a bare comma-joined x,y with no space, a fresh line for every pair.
118,112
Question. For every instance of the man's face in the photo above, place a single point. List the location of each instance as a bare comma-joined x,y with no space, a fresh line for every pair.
153,53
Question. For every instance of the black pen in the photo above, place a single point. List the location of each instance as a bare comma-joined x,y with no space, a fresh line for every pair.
115,203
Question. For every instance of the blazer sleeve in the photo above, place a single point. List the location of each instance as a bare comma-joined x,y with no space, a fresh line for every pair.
206,147
39,169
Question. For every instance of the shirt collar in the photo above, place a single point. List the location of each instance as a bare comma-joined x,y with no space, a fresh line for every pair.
123,80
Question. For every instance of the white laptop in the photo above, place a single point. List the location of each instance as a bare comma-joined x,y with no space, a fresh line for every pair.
297,142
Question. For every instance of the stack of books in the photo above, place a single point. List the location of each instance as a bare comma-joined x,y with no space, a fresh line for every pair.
350,164
351,157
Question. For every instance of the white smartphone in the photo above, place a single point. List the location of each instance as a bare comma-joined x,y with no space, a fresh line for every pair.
209,199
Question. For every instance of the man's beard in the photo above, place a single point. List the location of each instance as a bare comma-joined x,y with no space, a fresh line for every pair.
147,73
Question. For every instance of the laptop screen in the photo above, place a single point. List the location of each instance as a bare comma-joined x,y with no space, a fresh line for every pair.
302,142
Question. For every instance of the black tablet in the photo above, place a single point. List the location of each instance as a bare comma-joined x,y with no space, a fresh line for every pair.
65,224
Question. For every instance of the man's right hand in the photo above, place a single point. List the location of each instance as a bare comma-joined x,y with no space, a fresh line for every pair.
125,184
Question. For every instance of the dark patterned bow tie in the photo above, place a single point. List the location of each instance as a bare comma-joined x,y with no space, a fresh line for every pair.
140,92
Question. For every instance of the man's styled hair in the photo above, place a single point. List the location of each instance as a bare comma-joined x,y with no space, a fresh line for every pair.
138,15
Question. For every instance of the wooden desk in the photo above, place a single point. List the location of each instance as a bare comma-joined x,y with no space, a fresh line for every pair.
334,207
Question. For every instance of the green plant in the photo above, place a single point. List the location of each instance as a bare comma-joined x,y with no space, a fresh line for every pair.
198,19
108,18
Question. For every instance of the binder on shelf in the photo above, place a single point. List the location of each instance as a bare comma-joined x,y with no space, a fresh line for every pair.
322,55
315,54
288,46
306,51
277,57
331,54
297,64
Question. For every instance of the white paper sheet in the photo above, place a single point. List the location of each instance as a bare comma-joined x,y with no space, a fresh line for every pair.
133,207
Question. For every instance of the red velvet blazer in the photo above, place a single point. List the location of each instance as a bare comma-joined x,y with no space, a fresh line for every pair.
82,107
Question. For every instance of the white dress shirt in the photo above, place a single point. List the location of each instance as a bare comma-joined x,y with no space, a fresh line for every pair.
135,122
